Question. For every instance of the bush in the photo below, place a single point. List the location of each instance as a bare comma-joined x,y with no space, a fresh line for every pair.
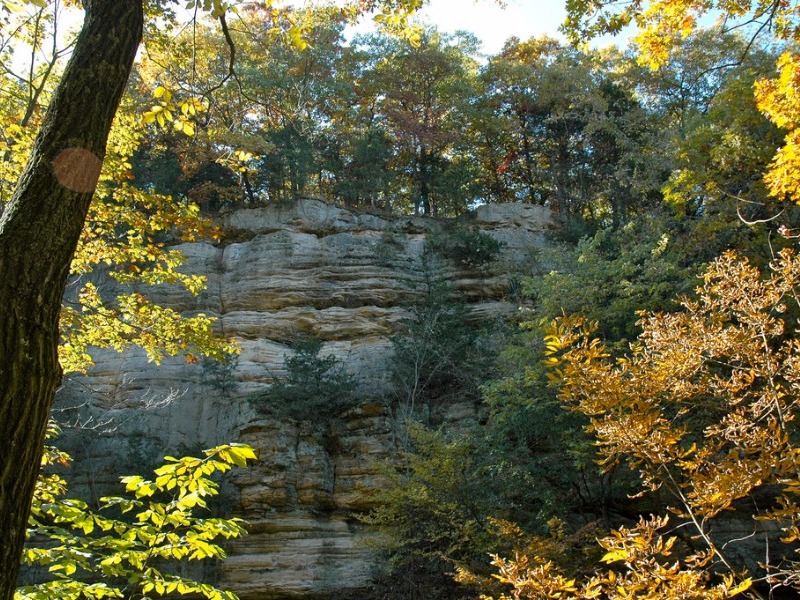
609,276
316,387
468,247
219,374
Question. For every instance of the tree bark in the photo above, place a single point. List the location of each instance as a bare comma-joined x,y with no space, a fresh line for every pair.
39,231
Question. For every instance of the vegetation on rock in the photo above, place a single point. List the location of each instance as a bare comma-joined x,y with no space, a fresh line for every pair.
316,386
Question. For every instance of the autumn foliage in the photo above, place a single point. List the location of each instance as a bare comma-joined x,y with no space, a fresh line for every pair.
704,408
703,405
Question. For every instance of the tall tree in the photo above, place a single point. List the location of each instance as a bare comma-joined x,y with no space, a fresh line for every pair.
723,143
425,88
664,25
39,231
571,133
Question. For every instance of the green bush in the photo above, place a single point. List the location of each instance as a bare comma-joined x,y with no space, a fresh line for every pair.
468,247
316,387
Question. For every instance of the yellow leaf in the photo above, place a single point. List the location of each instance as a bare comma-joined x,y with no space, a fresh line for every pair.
614,556
745,585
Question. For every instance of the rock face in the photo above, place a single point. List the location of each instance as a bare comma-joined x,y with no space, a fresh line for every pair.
284,272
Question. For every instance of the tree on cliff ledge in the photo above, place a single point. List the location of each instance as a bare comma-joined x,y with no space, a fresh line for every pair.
39,231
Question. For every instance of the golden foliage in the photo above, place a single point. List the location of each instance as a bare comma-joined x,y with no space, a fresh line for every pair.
648,572
704,406
127,236
661,23
778,98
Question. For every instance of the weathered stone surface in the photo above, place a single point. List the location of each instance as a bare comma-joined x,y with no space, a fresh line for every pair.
305,269
520,227
293,556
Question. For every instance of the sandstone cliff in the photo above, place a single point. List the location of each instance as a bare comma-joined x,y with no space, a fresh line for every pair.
286,271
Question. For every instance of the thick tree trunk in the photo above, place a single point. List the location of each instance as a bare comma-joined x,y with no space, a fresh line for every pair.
39,231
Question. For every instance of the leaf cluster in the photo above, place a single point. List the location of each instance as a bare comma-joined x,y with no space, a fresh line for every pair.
610,275
131,545
703,407
648,571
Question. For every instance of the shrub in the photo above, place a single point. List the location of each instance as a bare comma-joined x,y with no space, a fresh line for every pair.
467,247
316,387
219,374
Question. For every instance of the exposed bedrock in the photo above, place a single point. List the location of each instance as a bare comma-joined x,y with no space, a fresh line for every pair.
306,269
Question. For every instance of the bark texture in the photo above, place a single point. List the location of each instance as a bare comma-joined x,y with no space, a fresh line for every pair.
39,231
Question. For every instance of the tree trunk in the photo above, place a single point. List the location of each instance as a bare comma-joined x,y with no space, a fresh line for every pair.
424,174
39,231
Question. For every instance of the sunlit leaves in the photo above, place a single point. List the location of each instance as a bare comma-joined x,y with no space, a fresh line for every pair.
703,405
127,235
19,5
179,114
664,23
641,565
215,8
728,143
778,98
397,22
661,23
721,356
133,319
238,160
589,18
82,544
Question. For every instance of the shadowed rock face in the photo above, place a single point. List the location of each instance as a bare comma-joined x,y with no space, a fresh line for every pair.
306,269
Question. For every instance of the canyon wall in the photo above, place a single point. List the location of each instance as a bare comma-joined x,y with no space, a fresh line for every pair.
305,269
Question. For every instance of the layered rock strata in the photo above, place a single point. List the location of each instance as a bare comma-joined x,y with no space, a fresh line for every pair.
284,272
